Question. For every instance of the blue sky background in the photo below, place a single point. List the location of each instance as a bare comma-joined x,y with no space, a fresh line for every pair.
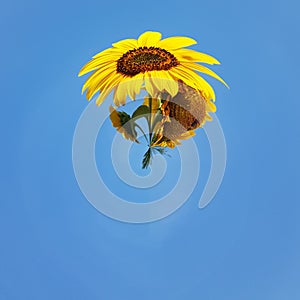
244,245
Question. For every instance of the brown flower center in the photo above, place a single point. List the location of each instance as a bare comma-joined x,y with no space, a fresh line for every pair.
145,59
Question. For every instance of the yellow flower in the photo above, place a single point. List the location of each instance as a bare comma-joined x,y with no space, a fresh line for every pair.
148,62
122,122
182,115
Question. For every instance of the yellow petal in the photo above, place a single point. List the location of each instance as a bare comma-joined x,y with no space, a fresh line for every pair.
111,80
211,106
149,38
131,88
176,42
171,85
208,117
107,88
134,85
205,70
188,134
95,64
171,144
124,88
158,80
138,81
200,83
177,75
98,76
164,82
109,52
121,92
149,85
191,55
116,101
98,82
164,143
127,44
102,96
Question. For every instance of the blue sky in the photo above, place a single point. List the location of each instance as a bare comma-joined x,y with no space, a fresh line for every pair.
244,245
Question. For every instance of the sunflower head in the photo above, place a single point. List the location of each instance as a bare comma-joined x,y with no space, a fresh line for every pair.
149,62
179,99
182,115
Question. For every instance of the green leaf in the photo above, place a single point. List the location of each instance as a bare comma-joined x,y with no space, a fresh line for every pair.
149,155
124,117
147,159
141,111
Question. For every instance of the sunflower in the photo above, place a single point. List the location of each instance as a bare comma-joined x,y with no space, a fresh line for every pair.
152,63
182,115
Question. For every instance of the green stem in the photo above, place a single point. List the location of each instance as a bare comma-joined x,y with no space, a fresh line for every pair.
150,121
144,134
